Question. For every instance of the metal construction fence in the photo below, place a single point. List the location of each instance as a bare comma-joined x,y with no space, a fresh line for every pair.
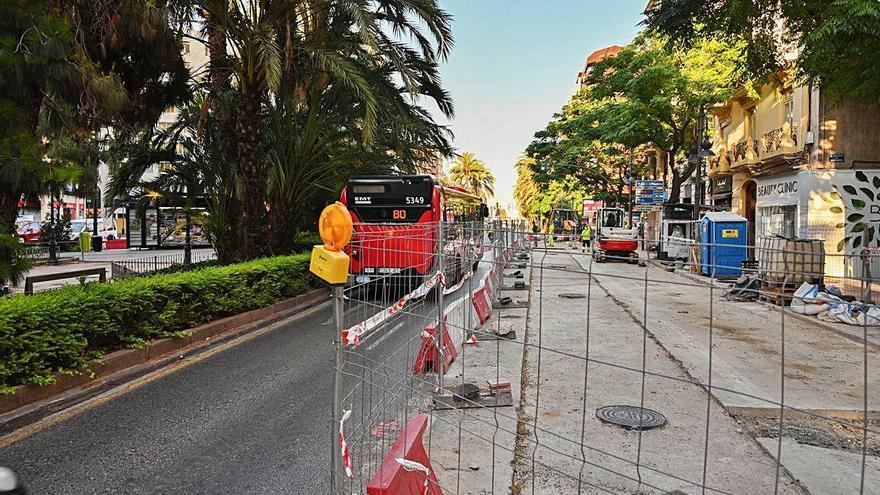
148,264
479,358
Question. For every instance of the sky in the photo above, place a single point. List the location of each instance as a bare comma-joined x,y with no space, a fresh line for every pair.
514,65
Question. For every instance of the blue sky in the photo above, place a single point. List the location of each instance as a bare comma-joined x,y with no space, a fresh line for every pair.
514,65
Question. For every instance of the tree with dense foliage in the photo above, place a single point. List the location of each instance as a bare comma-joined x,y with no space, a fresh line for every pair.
645,96
307,92
472,174
67,70
339,107
832,43
526,189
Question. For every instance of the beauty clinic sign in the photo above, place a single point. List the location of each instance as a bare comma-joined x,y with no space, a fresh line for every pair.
781,190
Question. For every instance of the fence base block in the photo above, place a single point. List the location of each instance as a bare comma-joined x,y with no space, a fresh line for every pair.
406,469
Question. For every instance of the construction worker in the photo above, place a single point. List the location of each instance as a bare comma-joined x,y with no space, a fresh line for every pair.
586,236
550,240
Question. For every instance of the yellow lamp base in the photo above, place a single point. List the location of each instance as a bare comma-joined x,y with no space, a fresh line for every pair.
330,266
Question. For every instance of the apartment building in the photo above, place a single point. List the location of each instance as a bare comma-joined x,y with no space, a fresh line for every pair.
593,59
796,162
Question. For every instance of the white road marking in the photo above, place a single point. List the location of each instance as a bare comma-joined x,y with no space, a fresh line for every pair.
382,338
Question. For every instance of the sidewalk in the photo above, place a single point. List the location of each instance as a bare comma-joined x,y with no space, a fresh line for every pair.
562,397
854,332
823,370
485,437
103,259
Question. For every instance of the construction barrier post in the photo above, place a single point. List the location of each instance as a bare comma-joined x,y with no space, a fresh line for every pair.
336,443
441,287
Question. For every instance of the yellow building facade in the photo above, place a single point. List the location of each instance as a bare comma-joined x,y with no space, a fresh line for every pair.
787,158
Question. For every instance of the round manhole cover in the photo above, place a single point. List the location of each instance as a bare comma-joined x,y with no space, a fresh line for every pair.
572,295
631,417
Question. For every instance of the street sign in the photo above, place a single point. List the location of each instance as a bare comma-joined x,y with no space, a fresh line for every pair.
656,184
650,195
648,207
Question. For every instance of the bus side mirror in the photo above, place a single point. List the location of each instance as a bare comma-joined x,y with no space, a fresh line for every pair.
484,210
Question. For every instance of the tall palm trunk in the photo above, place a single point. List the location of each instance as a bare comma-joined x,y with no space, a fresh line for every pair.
8,210
227,248
253,217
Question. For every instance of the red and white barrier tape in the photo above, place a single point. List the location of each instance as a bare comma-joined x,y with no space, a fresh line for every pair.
346,455
416,466
457,286
353,334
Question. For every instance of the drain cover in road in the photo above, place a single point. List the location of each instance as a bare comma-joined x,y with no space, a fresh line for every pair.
629,417
572,295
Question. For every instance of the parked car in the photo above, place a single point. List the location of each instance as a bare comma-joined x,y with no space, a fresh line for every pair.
79,225
29,232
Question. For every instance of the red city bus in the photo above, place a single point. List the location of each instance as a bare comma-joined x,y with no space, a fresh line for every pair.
396,223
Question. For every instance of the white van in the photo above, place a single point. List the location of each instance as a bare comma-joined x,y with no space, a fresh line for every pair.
85,225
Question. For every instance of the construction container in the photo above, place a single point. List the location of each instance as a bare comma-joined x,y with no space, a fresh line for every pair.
791,262
724,237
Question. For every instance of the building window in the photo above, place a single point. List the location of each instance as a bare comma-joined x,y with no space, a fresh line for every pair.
185,48
788,110
777,220
751,123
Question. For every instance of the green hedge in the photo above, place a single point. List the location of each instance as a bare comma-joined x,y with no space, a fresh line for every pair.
64,329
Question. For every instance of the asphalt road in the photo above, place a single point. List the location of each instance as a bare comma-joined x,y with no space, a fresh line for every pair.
251,419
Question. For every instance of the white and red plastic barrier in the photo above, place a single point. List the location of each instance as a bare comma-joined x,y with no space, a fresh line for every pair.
428,358
407,469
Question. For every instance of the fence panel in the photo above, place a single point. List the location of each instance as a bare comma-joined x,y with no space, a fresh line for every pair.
544,369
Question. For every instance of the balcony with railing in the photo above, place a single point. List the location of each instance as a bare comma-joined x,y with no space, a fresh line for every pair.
745,151
783,140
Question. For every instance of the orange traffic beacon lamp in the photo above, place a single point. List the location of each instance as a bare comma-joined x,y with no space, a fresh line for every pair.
328,261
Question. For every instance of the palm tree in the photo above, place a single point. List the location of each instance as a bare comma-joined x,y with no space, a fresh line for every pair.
294,52
525,191
310,146
471,173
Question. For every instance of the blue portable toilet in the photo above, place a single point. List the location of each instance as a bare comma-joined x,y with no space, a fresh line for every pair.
724,244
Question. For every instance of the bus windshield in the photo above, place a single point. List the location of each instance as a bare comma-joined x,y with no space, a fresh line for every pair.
397,199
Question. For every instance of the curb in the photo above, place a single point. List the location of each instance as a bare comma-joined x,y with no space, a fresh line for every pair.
30,403
805,318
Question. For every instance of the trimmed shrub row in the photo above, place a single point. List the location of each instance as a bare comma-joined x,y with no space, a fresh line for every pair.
64,329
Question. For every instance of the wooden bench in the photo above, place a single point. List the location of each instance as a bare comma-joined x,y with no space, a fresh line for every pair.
29,281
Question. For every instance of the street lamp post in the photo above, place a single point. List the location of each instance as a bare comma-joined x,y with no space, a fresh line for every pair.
96,201
629,181
187,243
53,246
701,149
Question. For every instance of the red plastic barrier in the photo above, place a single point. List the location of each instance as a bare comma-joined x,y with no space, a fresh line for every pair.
428,358
413,477
481,304
490,289
115,244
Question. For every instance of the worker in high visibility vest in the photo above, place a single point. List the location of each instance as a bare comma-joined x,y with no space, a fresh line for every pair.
586,236
550,240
